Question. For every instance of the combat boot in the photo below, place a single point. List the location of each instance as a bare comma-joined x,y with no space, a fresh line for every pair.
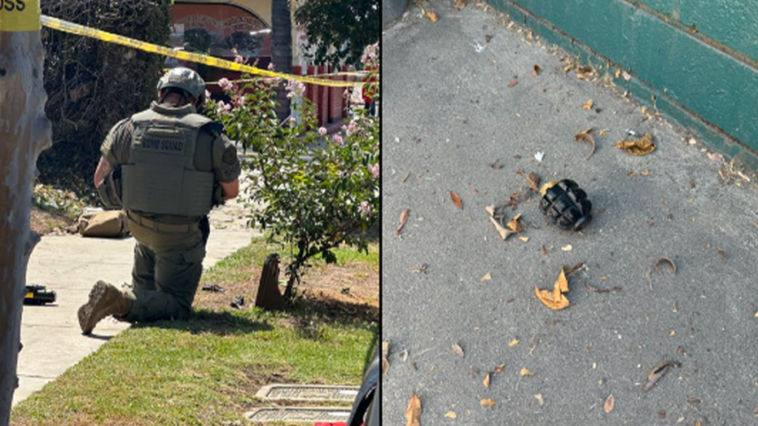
104,299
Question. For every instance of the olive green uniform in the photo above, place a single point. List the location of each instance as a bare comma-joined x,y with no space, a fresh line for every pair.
170,248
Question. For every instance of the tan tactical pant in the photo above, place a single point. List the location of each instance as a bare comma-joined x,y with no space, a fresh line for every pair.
167,269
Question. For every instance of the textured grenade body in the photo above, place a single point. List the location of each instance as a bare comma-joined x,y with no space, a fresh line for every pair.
566,204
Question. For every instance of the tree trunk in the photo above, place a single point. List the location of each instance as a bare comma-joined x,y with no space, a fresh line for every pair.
281,49
24,134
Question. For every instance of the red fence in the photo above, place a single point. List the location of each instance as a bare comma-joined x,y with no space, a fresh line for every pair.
330,102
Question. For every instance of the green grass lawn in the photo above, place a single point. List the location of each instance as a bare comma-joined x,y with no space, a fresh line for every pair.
206,371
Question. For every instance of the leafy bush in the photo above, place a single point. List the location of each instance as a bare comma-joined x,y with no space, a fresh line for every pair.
313,192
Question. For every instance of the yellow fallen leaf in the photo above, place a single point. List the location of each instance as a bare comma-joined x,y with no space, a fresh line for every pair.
567,247
756,314
487,402
513,343
602,132
514,225
486,277
609,403
638,147
645,172
500,367
588,105
525,372
524,239
451,415
618,72
486,381
413,412
432,16
554,299
584,136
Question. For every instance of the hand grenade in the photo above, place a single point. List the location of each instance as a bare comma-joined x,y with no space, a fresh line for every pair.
566,204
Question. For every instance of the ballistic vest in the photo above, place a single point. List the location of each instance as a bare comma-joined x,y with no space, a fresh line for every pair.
160,177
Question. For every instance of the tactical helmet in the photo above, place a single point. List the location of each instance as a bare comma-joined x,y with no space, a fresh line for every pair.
566,204
185,79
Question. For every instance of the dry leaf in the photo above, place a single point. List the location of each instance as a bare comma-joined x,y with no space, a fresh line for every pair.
638,147
533,180
496,165
457,349
539,399
524,239
537,69
626,76
504,233
385,355
403,218
487,402
609,403
525,372
588,105
486,277
512,83
585,136
567,247
420,270
756,314
405,178
513,343
659,371
432,16
554,299
514,225
459,4
618,73
499,368
451,415
413,411
456,200
665,259
486,381
645,172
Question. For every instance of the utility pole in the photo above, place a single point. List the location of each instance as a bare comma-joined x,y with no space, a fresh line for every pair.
24,133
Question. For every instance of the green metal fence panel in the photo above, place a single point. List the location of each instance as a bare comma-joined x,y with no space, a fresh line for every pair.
731,23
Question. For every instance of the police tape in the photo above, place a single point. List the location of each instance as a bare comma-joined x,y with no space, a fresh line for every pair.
70,27
248,80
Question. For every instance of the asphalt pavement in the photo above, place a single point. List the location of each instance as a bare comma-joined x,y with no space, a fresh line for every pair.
454,120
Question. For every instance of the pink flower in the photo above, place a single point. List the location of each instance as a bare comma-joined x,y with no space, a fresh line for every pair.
225,84
365,208
374,170
271,66
294,88
337,140
352,128
223,108
207,94
322,131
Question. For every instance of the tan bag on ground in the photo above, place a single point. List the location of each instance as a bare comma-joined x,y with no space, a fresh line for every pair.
107,224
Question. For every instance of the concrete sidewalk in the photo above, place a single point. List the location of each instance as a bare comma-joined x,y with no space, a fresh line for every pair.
70,265
451,110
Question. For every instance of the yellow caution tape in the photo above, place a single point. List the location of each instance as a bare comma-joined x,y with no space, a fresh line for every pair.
19,15
70,27
247,80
